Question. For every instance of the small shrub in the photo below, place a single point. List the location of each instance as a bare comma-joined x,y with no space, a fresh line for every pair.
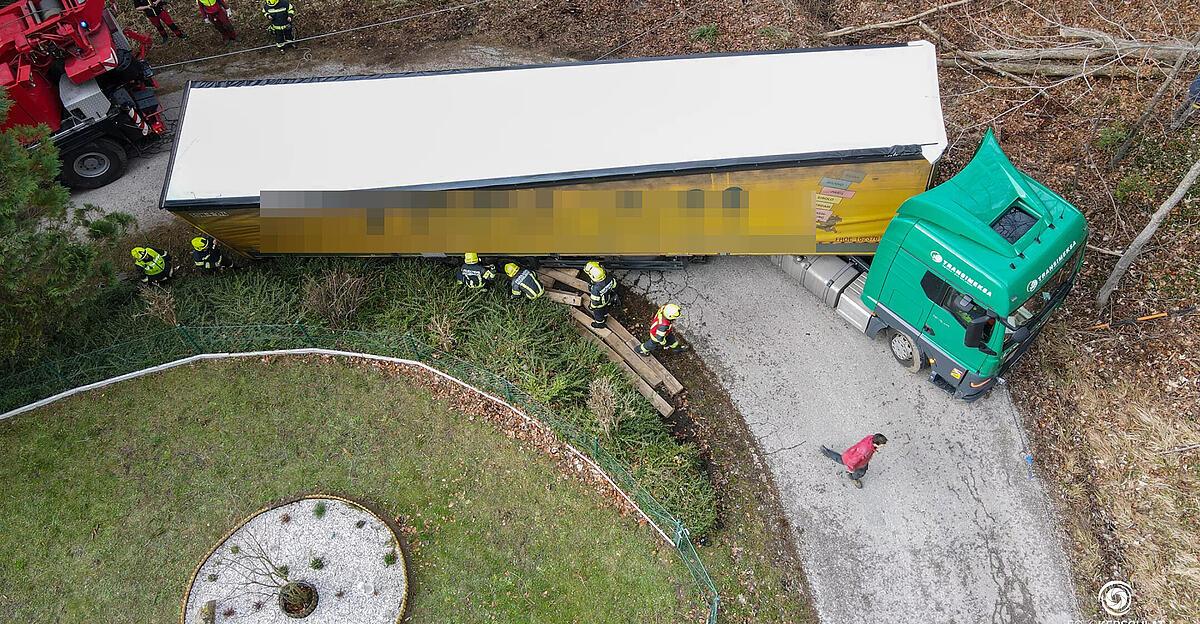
340,593
235,549
317,563
390,558
212,577
1131,187
282,571
775,34
160,304
602,401
258,605
360,524
1112,136
319,510
706,33
335,296
228,613
285,518
441,330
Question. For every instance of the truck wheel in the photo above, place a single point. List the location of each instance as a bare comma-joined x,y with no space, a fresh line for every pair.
905,350
94,165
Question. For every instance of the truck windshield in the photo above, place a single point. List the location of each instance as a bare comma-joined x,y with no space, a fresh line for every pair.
1050,292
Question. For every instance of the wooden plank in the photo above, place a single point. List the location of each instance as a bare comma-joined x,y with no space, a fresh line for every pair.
568,278
643,388
586,321
670,383
546,280
635,361
563,297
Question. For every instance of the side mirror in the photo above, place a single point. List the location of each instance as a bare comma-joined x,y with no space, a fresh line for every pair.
1021,335
974,337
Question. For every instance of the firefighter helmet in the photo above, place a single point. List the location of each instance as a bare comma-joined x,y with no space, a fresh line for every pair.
139,253
594,271
671,311
471,257
200,243
511,269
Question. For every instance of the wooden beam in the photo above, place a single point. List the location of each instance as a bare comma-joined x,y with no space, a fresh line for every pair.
546,280
635,361
563,297
568,278
670,383
643,388
586,321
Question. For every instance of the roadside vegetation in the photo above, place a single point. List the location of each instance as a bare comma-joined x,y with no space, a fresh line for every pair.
111,498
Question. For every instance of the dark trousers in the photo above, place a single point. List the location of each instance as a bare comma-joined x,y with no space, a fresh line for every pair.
284,36
599,314
837,457
670,343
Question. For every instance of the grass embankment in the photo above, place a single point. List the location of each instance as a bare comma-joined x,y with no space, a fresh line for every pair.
111,498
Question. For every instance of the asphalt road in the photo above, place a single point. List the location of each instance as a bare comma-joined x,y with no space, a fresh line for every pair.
950,526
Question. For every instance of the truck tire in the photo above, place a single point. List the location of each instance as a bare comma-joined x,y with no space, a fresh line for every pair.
905,350
94,165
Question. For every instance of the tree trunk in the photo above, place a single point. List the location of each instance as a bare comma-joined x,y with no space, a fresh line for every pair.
1135,248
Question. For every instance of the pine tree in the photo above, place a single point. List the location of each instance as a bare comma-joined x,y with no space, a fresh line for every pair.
50,264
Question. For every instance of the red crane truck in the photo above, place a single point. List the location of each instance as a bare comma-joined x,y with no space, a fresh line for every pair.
68,64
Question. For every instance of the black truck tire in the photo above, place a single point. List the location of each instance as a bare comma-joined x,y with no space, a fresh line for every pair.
905,350
94,165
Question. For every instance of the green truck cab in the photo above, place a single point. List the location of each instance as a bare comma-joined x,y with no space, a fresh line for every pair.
968,272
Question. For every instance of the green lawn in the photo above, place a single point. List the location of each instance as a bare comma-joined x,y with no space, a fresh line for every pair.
111,498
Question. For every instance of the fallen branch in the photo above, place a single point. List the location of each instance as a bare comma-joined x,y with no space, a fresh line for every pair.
1135,248
1151,106
1160,50
1180,449
892,24
974,59
1052,70
1103,250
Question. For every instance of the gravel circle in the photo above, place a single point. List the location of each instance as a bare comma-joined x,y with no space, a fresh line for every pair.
355,582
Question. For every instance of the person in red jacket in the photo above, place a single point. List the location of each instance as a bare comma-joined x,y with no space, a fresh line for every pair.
856,458
217,13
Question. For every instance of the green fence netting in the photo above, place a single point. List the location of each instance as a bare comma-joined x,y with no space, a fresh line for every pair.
52,377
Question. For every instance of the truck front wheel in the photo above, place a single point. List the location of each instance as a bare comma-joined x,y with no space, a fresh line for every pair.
905,350
94,165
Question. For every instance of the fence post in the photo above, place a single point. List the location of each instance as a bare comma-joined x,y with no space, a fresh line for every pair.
188,337
681,534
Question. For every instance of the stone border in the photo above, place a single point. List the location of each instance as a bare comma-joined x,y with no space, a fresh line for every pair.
369,507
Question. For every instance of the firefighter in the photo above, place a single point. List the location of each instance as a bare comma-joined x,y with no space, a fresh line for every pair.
156,11
662,335
603,292
217,13
279,14
155,265
207,257
474,275
524,282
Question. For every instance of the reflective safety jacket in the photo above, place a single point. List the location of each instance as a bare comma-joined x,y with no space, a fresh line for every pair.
526,283
476,275
280,12
155,262
210,4
604,292
660,328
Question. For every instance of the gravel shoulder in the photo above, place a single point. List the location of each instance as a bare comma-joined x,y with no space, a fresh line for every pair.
951,526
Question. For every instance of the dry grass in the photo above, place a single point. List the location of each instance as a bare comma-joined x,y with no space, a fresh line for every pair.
335,296
1128,480
602,401
441,330
160,304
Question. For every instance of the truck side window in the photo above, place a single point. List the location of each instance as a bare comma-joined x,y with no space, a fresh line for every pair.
944,296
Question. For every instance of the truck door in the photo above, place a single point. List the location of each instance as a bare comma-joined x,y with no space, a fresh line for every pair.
945,325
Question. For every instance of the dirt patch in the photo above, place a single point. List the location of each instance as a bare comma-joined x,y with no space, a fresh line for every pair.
749,507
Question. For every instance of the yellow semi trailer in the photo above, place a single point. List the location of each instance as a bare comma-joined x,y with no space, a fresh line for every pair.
788,152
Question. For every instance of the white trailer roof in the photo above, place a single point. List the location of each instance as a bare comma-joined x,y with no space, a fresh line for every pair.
440,130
